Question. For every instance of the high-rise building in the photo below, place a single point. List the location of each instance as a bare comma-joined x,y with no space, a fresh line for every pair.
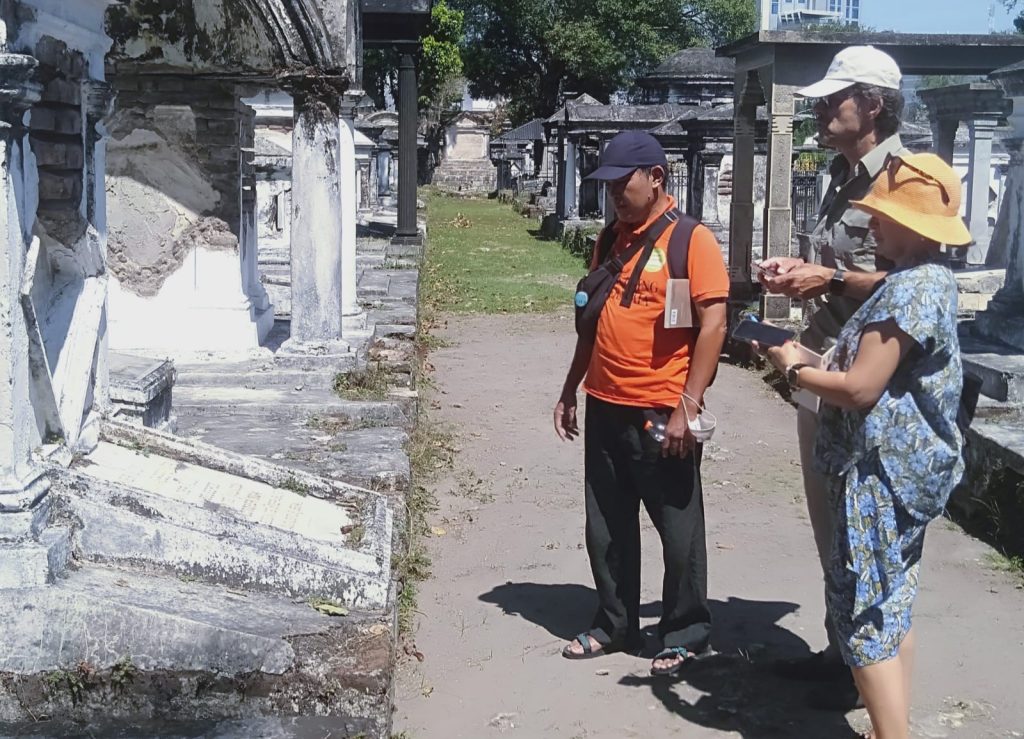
778,14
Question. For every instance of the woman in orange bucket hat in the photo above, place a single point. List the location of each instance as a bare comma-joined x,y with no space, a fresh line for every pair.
888,438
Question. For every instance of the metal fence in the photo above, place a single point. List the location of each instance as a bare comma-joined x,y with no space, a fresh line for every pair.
676,183
806,200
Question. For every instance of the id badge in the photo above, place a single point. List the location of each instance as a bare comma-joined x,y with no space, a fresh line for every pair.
678,305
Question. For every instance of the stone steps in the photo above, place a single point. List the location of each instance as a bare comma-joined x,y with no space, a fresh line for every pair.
116,645
1001,368
161,514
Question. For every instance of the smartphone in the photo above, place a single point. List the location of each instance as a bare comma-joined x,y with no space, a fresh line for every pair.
763,333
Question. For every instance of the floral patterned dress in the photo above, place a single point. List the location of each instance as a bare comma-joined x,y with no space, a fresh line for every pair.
893,466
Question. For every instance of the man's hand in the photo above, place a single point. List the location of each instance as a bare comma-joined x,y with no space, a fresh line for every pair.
679,441
778,265
802,281
565,418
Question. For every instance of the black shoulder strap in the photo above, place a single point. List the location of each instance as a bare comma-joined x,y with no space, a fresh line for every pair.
648,240
679,247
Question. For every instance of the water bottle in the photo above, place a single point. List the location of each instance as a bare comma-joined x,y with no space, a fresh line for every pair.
656,430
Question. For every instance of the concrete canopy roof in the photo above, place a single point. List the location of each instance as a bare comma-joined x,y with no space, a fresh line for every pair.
916,53
692,64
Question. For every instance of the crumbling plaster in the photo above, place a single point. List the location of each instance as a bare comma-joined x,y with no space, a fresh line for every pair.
241,36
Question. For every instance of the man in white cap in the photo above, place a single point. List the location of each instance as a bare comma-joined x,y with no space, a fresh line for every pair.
857,109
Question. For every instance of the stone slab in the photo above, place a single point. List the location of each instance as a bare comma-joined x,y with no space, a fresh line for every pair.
1000,368
118,523
998,326
982,281
194,650
205,488
1004,437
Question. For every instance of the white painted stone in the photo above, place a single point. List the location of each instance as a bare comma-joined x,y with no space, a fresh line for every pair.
189,483
188,295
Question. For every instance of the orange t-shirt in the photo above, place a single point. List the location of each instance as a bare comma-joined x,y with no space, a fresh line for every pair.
636,360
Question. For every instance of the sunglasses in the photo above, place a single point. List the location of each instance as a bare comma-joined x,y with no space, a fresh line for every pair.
896,164
837,98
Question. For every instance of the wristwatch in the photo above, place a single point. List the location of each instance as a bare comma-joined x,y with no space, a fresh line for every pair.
837,285
793,373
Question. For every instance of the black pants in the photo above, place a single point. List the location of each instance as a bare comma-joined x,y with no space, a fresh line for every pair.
624,466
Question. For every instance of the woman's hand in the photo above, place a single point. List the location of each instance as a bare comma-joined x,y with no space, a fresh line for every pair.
783,356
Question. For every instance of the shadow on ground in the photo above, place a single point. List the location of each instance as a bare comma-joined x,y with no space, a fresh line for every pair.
740,693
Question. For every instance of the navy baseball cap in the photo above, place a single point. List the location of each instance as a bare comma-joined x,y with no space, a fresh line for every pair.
628,152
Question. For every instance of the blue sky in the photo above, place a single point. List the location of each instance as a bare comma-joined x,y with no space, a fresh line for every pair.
934,16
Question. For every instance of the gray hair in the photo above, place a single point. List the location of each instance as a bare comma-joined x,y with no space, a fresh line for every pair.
891,115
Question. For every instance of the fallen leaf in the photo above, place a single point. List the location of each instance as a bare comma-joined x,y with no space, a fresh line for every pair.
330,609
437,531
602,673
427,690
720,545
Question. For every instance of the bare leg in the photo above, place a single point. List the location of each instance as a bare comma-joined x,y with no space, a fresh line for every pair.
906,658
882,688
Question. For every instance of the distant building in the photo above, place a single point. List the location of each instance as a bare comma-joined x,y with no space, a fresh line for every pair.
783,14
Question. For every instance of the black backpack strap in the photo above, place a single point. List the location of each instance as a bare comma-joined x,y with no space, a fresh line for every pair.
679,247
650,237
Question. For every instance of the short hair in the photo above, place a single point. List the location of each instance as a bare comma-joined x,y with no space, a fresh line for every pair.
891,114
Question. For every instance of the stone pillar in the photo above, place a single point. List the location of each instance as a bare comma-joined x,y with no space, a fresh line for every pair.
316,259
944,136
99,105
248,240
32,556
1003,320
572,204
560,174
979,178
711,169
608,204
695,185
408,231
779,206
741,219
349,204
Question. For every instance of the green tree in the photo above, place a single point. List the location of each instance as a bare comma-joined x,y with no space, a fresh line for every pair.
531,51
438,63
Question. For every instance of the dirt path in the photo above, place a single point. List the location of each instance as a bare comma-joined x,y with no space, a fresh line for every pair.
511,580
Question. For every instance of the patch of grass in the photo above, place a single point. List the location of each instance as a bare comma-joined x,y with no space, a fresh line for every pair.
122,674
371,383
354,535
1004,563
482,258
295,486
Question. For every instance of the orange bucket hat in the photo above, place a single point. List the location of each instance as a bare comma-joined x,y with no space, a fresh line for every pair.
921,192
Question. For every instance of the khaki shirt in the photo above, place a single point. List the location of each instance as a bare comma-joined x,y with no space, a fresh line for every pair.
842,239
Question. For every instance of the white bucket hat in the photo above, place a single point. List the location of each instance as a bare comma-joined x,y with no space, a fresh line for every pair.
856,64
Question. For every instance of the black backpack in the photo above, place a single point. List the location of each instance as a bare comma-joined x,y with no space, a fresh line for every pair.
593,290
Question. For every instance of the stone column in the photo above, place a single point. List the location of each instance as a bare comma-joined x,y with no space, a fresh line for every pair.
741,220
1003,320
944,136
99,104
695,184
572,204
316,233
408,231
32,555
349,205
778,231
979,178
711,167
560,174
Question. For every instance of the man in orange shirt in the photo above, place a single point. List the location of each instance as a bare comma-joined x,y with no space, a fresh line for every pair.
639,372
